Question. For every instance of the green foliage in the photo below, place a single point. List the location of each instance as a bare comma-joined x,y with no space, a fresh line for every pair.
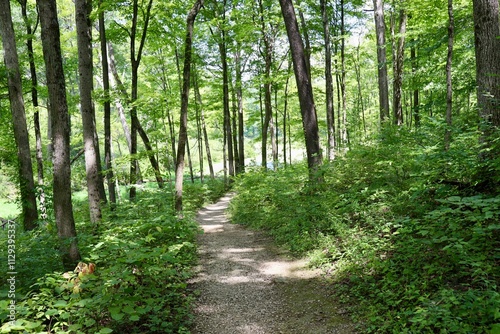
401,226
143,254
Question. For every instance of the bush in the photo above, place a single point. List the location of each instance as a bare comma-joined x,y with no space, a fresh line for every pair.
401,227
143,256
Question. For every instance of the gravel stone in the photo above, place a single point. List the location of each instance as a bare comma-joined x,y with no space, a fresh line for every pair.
247,285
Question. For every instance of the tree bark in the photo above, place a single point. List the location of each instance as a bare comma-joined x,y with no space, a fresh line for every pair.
330,112
63,207
304,87
398,63
487,49
107,110
27,185
36,115
203,126
181,149
449,87
83,8
383,85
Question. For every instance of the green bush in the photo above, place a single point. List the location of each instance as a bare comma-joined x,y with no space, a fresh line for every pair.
143,256
400,225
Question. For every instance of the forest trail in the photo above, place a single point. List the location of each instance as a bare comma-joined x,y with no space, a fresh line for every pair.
247,285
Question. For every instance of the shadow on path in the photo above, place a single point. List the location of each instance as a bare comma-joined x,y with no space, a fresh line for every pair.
248,286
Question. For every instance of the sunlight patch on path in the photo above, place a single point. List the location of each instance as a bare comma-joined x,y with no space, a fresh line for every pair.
247,286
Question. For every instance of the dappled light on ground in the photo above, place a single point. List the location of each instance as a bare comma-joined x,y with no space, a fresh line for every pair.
247,285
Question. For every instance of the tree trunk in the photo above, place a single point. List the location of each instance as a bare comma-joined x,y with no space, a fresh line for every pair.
83,8
107,110
179,168
304,87
330,112
398,67
487,49
267,54
225,99
239,97
416,93
135,60
27,185
36,115
449,91
63,207
383,85
344,136
203,126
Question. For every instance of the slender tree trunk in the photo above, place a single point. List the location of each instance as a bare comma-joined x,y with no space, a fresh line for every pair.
416,93
179,168
304,87
361,105
234,131
203,126
107,110
225,99
398,67
63,207
36,115
383,85
83,8
449,91
27,185
116,82
330,112
135,60
267,54
239,97
199,135
343,129
285,113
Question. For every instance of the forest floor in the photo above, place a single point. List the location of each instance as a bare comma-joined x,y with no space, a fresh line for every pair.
248,285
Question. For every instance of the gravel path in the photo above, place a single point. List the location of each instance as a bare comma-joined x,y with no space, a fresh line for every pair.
248,286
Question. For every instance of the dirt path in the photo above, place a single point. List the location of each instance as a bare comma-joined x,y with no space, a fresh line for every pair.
247,285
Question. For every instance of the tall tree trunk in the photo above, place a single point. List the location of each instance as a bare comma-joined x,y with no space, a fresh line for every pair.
36,115
416,92
239,97
286,114
199,136
234,107
107,110
487,49
225,99
179,168
343,129
267,54
449,91
83,8
63,207
383,85
135,60
398,63
304,87
27,185
203,126
330,112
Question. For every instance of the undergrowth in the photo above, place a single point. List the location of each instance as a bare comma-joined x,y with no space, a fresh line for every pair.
143,256
401,227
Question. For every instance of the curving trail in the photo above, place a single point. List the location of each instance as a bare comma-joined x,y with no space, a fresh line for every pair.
248,286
